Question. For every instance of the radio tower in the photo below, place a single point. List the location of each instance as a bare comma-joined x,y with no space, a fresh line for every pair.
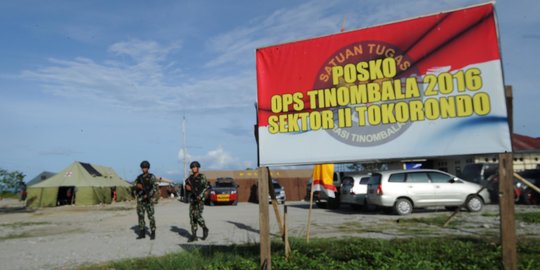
185,146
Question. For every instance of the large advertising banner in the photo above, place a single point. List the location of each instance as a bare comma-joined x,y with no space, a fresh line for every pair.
429,86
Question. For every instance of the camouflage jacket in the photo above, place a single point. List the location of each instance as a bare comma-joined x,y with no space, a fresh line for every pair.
149,187
199,186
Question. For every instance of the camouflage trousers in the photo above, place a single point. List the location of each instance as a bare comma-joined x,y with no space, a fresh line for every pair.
195,216
149,209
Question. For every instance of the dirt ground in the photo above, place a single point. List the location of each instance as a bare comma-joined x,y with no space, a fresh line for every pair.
68,236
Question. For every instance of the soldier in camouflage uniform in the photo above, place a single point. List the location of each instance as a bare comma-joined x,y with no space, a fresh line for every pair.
196,185
145,188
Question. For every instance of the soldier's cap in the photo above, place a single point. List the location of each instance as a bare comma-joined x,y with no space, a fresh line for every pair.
195,164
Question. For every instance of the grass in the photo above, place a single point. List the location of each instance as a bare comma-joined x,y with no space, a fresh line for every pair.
529,217
352,253
16,236
9,195
22,224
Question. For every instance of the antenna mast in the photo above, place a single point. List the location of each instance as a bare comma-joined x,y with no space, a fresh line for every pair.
185,146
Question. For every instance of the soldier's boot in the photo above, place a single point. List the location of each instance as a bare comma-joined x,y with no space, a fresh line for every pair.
142,234
205,233
153,235
192,238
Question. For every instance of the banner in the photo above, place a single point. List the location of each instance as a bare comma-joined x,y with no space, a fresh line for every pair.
323,179
429,86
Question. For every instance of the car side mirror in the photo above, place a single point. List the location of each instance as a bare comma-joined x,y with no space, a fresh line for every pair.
453,180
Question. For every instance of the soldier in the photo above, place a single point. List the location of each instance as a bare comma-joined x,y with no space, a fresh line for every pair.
196,185
145,188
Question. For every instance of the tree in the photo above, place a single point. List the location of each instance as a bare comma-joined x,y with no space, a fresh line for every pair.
10,180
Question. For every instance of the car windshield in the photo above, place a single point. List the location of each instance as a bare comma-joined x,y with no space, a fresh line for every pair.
224,184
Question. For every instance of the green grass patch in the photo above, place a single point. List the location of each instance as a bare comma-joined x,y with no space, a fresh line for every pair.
23,224
9,195
16,236
121,208
490,214
352,253
529,217
437,220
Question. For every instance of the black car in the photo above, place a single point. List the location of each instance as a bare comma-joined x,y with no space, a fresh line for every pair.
527,194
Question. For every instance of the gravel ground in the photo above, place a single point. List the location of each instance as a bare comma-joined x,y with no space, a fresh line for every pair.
68,236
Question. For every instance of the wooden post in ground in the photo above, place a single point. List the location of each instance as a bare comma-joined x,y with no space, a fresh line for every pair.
264,224
309,214
274,202
507,211
285,233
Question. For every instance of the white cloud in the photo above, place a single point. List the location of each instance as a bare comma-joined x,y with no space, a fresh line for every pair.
216,159
136,78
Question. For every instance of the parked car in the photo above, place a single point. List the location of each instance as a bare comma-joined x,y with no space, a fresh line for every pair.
224,191
354,190
321,199
527,194
479,173
279,191
405,190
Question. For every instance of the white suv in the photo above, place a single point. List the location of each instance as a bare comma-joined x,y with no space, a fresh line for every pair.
405,190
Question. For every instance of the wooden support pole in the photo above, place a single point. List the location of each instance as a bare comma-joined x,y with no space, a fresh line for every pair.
285,233
264,224
309,214
507,211
274,202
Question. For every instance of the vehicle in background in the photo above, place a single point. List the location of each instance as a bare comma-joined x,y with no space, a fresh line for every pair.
279,191
404,190
354,190
527,194
224,191
479,173
321,199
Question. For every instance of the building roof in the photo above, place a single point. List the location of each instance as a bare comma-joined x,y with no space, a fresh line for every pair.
40,177
522,143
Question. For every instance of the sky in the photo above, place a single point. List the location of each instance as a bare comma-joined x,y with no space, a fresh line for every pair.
110,82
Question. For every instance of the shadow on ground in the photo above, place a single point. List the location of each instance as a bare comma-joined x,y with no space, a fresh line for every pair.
181,231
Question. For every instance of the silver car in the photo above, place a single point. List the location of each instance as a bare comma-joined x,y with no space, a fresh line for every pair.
354,190
405,190
281,197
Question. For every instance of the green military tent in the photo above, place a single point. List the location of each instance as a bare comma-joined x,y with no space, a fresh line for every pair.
80,183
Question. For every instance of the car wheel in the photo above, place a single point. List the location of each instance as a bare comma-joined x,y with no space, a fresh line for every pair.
235,202
474,203
212,203
403,206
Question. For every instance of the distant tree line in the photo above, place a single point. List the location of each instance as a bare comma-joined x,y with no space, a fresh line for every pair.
11,181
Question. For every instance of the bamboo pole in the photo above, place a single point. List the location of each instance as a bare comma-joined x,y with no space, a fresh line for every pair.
309,213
